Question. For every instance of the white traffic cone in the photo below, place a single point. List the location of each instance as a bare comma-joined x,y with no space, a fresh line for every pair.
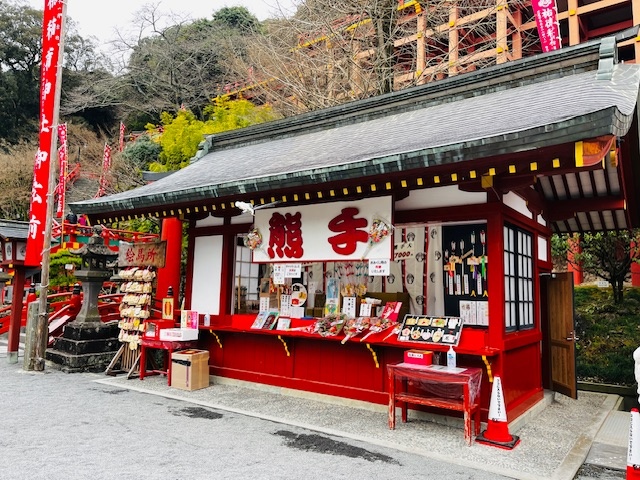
633,454
497,432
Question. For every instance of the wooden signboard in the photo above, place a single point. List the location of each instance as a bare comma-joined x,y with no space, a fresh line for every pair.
144,254
432,330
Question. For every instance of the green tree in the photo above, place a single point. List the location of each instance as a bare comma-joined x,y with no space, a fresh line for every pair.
609,255
20,54
20,58
60,275
237,18
142,152
183,132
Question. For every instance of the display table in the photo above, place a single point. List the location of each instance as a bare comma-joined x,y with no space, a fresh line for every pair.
167,345
436,386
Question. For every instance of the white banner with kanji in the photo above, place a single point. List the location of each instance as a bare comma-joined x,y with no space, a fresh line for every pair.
338,231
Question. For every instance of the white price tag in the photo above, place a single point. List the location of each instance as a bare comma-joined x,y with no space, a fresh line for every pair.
403,251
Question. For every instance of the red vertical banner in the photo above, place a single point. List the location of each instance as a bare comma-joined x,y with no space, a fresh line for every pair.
121,143
51,40
546,14
62,181
106,165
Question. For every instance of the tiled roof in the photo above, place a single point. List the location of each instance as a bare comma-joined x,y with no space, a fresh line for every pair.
535,106
14,230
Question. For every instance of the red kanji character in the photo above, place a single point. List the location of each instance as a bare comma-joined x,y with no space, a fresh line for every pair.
151,254
130,255
277,235
285,236
294,235
346,242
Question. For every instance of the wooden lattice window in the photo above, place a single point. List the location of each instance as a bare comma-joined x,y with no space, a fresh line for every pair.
518,279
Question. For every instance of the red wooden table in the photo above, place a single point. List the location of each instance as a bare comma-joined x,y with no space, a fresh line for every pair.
168,345
436,386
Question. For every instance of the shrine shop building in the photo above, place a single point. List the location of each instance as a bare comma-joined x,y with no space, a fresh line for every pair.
471,175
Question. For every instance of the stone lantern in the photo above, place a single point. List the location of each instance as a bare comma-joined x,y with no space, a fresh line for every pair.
13,247
96,258
87,343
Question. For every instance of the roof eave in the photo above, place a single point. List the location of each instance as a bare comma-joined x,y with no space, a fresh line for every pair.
604,122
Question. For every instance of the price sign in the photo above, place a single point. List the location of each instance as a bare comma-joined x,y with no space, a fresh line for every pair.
403,251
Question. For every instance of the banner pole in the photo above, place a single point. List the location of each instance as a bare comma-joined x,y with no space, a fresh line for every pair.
42,332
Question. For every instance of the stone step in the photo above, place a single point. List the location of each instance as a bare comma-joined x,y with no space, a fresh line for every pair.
80,347
91,330
88,362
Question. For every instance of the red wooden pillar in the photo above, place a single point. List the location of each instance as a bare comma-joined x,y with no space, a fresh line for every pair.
169,275
635,266
635,274
16,314
572,266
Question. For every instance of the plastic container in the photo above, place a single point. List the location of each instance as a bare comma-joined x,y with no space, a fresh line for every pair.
451,358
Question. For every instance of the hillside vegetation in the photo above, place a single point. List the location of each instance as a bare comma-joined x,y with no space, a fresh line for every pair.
608,335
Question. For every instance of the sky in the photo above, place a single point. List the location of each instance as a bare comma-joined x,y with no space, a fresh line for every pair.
101,18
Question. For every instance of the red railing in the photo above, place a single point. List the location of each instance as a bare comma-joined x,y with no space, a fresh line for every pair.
63,308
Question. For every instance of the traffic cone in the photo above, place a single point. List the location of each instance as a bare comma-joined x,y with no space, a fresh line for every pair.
497,432
633,454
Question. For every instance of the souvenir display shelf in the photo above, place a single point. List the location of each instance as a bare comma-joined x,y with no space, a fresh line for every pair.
135,305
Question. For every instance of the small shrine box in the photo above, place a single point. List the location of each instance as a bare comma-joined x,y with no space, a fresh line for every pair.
190,369
418,357
152,328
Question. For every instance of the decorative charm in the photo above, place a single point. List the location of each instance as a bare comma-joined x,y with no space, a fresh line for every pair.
253,239
377,233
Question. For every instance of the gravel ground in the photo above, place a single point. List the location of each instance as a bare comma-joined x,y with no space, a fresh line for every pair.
58,425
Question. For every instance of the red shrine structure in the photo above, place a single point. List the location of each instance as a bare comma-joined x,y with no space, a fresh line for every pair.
471,175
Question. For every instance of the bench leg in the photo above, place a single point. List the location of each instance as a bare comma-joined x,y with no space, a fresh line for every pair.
467,426
392,401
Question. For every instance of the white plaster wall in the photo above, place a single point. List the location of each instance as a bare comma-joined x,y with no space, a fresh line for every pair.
210,222
243,218
516,202
449,196
543,245
207,273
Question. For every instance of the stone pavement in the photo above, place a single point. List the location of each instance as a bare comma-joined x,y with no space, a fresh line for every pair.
561,438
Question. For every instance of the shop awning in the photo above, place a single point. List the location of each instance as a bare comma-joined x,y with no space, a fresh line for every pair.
503,112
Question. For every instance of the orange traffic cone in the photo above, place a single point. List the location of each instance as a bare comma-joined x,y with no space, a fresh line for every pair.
497,432
633,454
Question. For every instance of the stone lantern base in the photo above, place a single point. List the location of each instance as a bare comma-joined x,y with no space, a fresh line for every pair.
84,347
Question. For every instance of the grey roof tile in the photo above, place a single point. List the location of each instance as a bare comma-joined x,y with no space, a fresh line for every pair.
549,112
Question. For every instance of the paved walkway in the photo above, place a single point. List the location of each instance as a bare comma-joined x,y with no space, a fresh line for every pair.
558,436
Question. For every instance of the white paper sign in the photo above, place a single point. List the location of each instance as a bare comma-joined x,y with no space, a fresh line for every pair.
482,313
265,304
379,266
403,251
365,309
349,306
285,305
278,274
292,270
